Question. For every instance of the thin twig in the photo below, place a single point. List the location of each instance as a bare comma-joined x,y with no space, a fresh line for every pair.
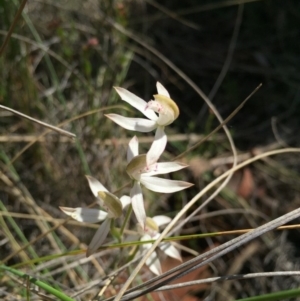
219,126
189,138
173,15
23,3
227,61
212,196
231,48
59,125
229,277
46,125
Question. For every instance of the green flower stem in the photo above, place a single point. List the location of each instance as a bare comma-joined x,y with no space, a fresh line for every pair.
132,243
131,256
128,214
48,288
114,231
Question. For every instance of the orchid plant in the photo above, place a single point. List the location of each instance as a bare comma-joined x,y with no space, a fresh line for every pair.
162,104
113,209
150,232
142,169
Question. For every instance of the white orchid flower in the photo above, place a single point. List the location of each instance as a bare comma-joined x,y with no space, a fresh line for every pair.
143,168
150,232
162,104
113,209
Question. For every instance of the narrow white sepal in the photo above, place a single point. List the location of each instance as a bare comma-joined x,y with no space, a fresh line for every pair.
162,90
125,200
136,102
158,146
170,250
95,186
166,167
133,148
152,262
99,237
163,185
161,220
85,215
133,124
137,203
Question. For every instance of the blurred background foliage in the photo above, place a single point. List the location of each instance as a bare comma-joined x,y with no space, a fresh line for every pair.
63,60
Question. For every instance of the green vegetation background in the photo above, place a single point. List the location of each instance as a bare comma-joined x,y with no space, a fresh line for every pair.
62,61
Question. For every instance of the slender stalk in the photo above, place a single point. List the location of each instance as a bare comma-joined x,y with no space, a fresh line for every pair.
127,217
12,26
229,277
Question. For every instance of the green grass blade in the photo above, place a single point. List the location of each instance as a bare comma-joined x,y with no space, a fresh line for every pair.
274,296
18,231
49,289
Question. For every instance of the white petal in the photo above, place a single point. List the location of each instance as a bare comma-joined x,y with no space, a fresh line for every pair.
137,203
140,229
136,102
95,186
133,148
162,90
152,262
163,185
99,237
85,215
144,238
166,167
170,250
158,146
132,238
125,200
161,220
133,124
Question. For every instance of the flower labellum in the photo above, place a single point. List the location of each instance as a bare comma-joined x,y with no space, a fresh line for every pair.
111,203
165,107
